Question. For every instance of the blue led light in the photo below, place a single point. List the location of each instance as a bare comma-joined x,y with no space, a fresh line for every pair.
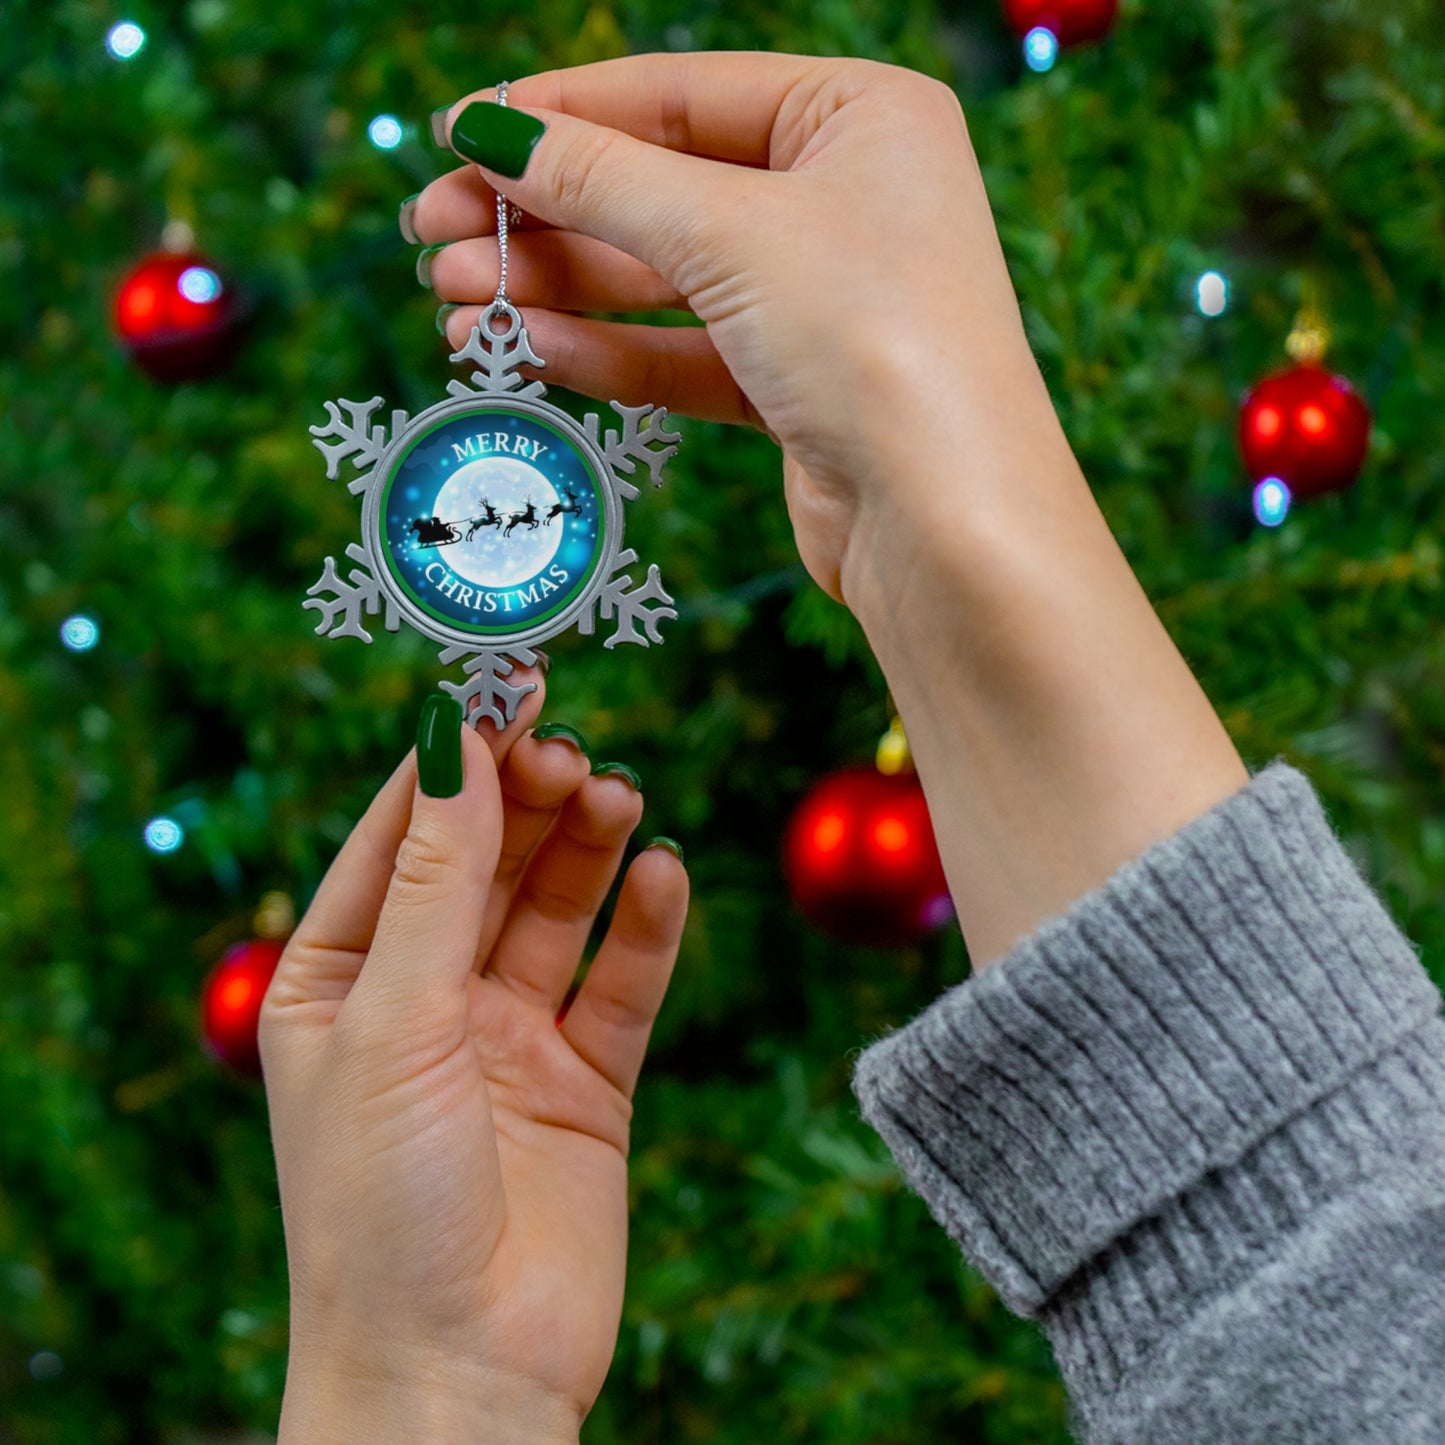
80,633
385,132
1041,48
126,40
164,835
1271,502
1211,294
199,284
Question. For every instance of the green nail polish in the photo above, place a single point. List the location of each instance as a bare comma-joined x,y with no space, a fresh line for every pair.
405,221
443,311
496,136
439,125
671,844
617,770
423,262
439,747
561,730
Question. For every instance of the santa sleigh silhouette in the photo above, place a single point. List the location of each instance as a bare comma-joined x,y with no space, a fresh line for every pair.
433,532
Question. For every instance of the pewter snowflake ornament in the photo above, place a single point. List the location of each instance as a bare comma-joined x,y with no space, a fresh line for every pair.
492,521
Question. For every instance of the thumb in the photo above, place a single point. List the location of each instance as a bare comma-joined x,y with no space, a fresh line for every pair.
653,203
425,942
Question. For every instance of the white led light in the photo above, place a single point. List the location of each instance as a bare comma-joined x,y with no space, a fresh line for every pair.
1271,502
79,633
1041,48
385,132
1211,293
126,40
199,284
164,835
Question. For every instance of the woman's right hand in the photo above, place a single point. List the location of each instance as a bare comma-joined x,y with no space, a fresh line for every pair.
825,218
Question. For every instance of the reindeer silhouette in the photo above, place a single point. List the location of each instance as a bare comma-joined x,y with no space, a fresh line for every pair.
489,518
558,508
528,518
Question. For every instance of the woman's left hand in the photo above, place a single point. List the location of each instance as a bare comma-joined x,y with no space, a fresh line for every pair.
452,1154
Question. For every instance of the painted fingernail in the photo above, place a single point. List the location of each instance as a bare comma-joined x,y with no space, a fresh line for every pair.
617,770
439,125
561,730
496,136
424,260
405,219
671,844
439,747
443,311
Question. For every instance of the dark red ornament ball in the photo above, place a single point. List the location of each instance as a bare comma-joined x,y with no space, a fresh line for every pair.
176,317
1307,427
1073,22
231,1003
861,860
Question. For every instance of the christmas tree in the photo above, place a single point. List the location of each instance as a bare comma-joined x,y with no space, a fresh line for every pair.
178,744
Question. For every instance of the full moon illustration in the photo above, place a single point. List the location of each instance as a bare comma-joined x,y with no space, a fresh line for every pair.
490,559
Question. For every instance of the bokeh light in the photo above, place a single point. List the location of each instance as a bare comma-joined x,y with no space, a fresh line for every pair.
1041,48
126,40
1271,502
385,132
164,835
1211,294
199,284
80,633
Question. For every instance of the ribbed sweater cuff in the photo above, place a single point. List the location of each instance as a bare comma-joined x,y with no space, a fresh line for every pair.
1214,988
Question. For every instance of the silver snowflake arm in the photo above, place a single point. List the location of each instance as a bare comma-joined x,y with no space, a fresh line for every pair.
342,611
630,604
486,693
497,356
643,438
358,439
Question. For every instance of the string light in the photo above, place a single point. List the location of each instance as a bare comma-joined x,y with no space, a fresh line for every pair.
1271,502
199,284
1211,294
126,40
385,132
164,835
1041,48
80,633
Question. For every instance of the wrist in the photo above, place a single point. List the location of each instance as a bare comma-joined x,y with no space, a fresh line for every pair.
411,1398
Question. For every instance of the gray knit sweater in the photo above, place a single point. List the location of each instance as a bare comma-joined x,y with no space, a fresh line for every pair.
1196,1127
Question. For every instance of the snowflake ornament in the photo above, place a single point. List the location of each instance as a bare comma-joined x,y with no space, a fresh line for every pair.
492,521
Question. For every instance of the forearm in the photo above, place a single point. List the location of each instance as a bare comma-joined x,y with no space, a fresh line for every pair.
1057,730
408,1402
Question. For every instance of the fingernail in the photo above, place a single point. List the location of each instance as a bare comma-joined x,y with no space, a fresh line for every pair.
404,219
423,262
439,125
443,311
496,136
561,730
671,844
543,661
617,770
439,747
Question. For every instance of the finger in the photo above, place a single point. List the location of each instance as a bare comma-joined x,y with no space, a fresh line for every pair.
421,955
562,890
539,776
500,741
461,204
610,1020
673,366
557,269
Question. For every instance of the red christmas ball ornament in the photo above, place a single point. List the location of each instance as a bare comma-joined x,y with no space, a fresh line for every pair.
1071,22
1306,426
176,317
231,1003
861,860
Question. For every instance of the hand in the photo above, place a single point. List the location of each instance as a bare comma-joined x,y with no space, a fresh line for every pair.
826,219
452,1158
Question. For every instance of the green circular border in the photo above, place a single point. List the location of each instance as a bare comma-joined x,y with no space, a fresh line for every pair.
598,496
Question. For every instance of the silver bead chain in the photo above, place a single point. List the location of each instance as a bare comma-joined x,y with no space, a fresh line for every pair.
503,209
